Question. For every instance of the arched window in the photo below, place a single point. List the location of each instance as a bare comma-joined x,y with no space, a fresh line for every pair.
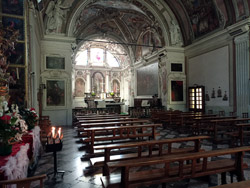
111,60
82,58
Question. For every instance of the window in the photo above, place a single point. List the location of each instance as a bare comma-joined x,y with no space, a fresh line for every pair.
111,60
196,98
82,58
96,55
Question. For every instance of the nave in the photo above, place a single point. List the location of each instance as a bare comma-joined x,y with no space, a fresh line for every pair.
69,159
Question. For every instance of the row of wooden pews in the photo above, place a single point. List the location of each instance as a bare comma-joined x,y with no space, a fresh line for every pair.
229,129
121,144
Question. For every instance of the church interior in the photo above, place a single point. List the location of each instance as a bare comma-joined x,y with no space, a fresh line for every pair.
125,93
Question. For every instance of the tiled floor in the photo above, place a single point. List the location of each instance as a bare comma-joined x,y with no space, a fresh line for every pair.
69,160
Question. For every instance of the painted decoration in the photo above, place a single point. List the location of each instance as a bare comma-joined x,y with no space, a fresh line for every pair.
16,23
177,91
241,8
55,62
17,57
202,15
17,85
55,93
147,80
79,88
12,7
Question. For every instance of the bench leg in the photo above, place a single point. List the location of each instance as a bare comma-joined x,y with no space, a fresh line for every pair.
223,178
232,177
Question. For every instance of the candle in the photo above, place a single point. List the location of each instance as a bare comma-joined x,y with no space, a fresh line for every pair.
53,132
59,132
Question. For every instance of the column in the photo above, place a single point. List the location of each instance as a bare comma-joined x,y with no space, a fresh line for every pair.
107,82
88,84
242,72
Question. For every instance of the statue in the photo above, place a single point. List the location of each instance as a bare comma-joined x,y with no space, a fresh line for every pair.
56,16
175,34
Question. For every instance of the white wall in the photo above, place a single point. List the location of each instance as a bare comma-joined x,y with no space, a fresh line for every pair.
211,69
61,47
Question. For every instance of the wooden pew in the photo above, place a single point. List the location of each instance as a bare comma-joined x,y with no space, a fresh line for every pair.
169,172
145,149
241,184
203,125
239,134
225,125
105,120
120,133
83,126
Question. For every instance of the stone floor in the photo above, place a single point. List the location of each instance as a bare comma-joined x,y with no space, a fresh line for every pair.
69,160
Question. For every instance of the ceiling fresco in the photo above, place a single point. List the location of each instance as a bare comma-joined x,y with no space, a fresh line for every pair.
147,22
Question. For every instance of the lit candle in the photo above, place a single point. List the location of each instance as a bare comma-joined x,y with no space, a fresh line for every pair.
59,132
53,132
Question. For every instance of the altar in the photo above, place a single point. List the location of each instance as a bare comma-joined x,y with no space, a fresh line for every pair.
100,106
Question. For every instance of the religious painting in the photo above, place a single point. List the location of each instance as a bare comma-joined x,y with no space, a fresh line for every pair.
177,91
116,86
16,23
17,85
17,56
13,7
79,87
98,82
147,80
203,15
55,93
55,62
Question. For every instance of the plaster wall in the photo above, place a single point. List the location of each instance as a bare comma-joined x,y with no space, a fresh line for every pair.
57,47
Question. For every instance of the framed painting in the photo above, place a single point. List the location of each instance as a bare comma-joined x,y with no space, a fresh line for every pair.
17,57
147,80
16,23
177,93
55,62
176,67
13,7
55,95
17,88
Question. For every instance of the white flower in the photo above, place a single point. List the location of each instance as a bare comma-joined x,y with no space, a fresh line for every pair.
18,137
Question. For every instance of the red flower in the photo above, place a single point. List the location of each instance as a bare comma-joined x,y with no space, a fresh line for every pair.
32,109
6,118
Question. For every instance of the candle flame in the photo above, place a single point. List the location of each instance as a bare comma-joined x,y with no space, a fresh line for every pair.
59,132
53,131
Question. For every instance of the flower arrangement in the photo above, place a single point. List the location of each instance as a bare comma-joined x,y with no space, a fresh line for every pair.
30,116
12,127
